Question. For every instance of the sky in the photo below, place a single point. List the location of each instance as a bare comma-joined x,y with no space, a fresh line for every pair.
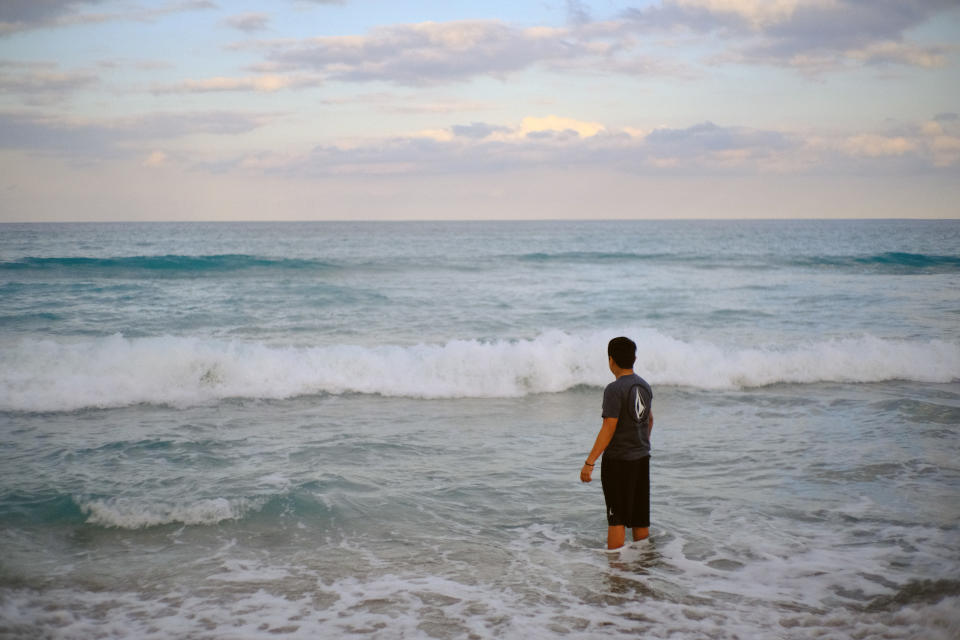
128,110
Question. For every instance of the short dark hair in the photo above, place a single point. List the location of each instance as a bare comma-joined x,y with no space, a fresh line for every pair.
623,351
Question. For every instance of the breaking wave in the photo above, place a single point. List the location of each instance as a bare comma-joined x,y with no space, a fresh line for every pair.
145,511
115,371
125,512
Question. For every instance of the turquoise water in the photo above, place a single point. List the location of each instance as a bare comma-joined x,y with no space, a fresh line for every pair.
337,429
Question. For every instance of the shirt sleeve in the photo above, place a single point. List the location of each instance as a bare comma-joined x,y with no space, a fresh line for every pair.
611,403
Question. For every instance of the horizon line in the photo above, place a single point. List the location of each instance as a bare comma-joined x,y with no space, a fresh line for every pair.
475,220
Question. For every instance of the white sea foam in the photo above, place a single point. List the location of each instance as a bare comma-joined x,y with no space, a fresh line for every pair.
129,513
393,606
550,586
61,375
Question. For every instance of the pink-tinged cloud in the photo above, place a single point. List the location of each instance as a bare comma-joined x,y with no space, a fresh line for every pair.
704,149
534,142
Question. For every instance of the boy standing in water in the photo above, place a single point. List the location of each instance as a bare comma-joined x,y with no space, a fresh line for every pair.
624,442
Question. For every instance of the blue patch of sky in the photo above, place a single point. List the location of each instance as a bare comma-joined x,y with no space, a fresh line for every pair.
176,39
943,29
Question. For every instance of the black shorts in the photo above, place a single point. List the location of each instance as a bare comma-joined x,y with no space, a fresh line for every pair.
626,491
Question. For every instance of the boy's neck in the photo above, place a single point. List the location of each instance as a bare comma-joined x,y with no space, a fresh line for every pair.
616,370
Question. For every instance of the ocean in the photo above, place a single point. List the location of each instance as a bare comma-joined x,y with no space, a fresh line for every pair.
375,430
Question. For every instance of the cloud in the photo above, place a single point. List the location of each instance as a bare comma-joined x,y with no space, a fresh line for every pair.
754,14
555,124
433,53
917,147
941,136
119,137
26,15
710,148
22,15
39,11
811,35
411,104
174,125
42,82
889,52
477,130
534,142
577,13
426,53
266,83
539,142
704,149
534,128
20,131
872,145
248,22
155,159
709,137
153,65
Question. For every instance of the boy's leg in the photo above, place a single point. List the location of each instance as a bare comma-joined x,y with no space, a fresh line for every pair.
642,505
609,478
616,536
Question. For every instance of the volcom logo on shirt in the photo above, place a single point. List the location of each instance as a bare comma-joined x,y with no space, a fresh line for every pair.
639,406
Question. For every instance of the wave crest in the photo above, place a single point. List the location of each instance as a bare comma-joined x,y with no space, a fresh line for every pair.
128,513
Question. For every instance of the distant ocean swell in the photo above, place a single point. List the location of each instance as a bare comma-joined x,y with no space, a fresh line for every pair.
888,262
172,263
187,265
885,263
114,371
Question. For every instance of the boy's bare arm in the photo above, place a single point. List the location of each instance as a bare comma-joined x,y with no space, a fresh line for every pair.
603,439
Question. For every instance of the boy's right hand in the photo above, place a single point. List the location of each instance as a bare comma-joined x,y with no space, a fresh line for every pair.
585,473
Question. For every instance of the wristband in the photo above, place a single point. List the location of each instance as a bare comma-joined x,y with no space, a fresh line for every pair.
588,464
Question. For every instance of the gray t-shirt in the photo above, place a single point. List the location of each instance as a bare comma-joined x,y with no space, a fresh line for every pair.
628,399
